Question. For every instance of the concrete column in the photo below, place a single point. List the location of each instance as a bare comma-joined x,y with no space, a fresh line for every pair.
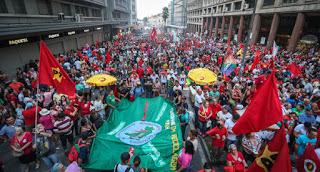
216,27
230,28
240,30
255,29
296,33
210,27
273,29
222,26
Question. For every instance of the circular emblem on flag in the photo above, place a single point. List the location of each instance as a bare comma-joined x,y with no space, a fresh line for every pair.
309,165
139,132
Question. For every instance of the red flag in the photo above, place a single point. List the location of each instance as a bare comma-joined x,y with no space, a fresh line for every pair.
309,161
275,156
108,57
294,69
256,60
51,73
79,54
153,34
263,111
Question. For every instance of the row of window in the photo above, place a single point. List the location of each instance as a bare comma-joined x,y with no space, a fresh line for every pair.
195,20
45,8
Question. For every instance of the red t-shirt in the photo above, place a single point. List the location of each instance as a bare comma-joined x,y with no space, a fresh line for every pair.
218,142
237,163
69,110
27,138
207,113
30,115
85,108
215,109
12,98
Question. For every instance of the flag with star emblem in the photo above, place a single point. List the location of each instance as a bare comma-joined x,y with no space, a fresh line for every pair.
275,156
52,74
309,161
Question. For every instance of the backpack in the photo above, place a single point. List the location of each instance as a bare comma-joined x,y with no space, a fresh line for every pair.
74,151
127,169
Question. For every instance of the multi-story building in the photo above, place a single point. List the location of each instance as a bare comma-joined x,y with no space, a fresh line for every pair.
177,15
63,24
156,20
283,21
194,15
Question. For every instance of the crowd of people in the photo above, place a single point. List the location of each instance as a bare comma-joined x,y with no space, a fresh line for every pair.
158,68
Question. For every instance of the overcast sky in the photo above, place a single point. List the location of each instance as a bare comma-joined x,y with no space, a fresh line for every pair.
150,7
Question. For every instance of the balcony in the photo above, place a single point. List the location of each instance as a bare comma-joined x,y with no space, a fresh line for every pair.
21,24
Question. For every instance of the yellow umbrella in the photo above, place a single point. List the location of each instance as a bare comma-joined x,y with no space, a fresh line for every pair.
202,76
101,80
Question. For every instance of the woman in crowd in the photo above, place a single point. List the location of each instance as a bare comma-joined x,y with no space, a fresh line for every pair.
21,144
184,159
235,160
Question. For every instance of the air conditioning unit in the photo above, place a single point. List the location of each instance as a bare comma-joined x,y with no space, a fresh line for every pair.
60,16
77,17
246,6
225,9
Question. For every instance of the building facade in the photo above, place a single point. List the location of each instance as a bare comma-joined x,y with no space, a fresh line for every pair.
156,20
177,19
283,21
62,24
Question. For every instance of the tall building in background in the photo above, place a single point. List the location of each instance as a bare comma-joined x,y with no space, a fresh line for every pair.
63,24
177,15
283,21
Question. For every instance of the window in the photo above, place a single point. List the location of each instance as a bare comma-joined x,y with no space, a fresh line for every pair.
237,6
66,9
44,7
3,7
96,13
289,1
82,10
268,2
19,7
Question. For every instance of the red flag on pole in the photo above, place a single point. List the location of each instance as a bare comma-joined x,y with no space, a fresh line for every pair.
309,161
256,60
263,111
51,73
294,70
108,57
153,34
275,156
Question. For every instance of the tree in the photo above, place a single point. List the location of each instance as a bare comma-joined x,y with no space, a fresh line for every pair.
145,20
165,14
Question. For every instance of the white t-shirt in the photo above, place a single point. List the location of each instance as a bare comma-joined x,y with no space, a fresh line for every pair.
122,168
300,129
177,88
224,117
198,99
229,125
194,142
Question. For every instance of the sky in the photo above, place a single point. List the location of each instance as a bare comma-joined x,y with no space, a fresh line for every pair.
147,8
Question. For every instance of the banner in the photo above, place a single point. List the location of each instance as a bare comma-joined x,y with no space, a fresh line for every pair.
157,139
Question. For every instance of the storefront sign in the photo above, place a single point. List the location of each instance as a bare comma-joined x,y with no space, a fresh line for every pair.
86,30
71,32
99,28
18,41
56,35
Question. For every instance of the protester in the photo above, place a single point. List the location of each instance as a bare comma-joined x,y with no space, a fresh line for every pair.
184,159
235,159
124,165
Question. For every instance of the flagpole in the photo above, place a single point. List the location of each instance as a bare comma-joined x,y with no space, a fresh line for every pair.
37,103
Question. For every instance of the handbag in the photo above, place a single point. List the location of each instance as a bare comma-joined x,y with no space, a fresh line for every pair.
208,124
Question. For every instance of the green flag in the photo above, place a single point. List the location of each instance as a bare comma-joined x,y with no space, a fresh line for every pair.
157,139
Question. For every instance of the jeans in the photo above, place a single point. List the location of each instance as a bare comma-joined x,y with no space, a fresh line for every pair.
196,121
64,138
203,127
50,160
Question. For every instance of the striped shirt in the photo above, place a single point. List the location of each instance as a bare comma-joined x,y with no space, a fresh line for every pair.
63,126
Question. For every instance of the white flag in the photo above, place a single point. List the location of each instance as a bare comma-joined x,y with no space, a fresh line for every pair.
274,49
